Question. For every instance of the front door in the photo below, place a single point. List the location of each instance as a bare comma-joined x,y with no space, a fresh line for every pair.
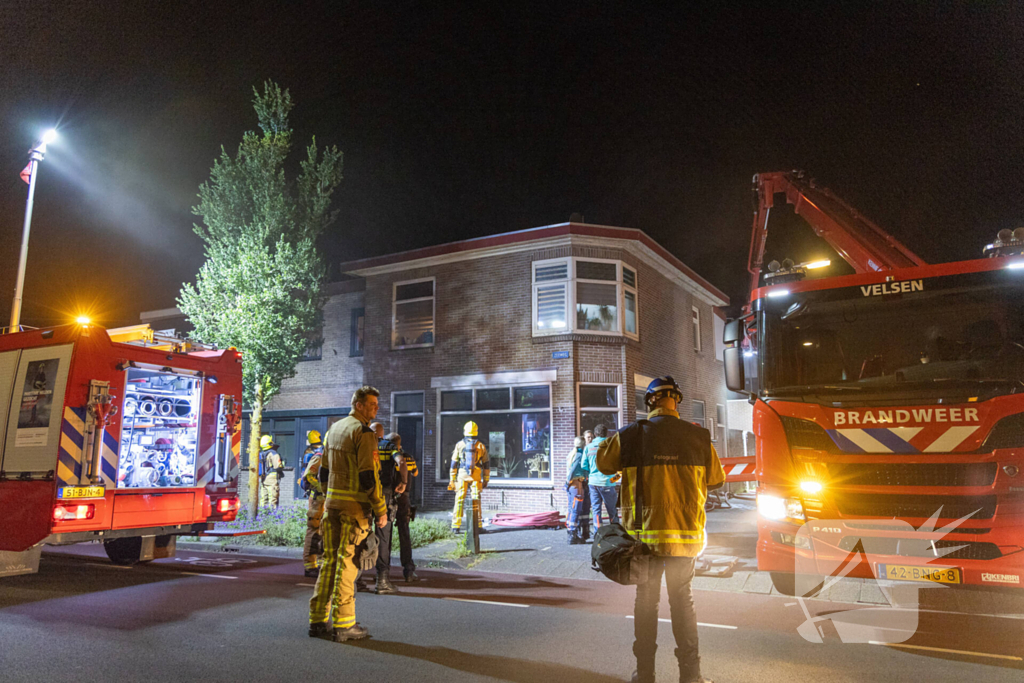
410,428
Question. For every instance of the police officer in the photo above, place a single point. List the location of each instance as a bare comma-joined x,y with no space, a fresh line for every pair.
392,483
271,470
313,546
354,499
471,469
407,464
679,467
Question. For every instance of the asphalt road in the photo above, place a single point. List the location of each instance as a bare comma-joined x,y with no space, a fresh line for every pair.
205,617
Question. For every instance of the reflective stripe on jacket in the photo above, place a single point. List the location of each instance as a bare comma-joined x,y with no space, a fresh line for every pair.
679,466
353,479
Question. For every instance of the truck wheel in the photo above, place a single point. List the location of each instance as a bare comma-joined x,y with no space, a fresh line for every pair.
124,551
785,583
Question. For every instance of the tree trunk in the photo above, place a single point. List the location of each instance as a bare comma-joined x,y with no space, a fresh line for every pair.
255,431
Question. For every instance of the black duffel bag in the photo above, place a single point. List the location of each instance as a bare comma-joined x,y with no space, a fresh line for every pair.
623,558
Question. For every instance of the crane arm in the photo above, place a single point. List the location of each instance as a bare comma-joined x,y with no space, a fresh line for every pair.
861,243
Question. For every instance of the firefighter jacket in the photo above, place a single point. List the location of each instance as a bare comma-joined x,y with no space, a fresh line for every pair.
270,463
311,475
470,458
353,479
391,472
679,466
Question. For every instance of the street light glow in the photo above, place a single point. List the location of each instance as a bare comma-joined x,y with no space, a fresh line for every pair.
49,136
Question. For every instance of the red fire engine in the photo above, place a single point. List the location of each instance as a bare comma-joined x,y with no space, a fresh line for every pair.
888,405
120,436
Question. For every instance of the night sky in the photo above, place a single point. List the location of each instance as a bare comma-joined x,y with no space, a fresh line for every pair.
466,120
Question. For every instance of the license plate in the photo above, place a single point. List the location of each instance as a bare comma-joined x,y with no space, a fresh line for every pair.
903,572
67,492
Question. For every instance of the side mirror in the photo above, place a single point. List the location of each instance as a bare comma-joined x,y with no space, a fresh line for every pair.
734,332
735,374
735,377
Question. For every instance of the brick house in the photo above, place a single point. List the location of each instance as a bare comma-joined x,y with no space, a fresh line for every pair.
536,335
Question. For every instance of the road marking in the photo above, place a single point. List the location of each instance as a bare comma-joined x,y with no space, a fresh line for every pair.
543,549
942,649
699,623
212,576
488,602
109,566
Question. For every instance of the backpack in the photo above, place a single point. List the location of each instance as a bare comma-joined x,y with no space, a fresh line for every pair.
619,556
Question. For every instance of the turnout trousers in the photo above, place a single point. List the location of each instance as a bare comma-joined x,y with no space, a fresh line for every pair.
334,596
578,518
678,572
270,491
312,548
464,483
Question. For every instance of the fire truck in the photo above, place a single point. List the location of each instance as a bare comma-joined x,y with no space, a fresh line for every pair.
888,404
126,437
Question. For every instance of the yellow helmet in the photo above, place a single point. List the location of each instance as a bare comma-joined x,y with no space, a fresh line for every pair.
470,429
314,438
266,441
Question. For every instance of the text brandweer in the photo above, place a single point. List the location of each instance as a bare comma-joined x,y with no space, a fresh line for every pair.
849,417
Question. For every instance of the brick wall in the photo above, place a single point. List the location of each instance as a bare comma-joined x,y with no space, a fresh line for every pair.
483,324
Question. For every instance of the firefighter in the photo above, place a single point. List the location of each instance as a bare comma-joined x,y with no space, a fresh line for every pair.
354,499
361,585
312,548
271,471
392,481
406,512
470,468
679,467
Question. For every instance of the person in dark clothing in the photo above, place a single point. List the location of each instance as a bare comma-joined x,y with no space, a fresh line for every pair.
407,463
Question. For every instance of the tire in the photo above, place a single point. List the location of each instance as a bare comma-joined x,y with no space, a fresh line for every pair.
785,583
124,552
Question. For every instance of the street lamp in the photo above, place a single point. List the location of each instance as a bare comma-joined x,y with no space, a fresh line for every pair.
35,155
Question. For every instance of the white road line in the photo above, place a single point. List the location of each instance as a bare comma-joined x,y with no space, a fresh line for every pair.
109,566
488,602
942,649
212,576
699,623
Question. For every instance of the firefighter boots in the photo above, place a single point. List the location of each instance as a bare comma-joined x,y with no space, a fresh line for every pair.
354,632
322,630
384,585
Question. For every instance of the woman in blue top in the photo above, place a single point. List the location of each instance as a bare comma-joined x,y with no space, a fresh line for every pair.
602,486
578,519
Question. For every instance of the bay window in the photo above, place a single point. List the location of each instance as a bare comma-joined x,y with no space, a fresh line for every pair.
593,296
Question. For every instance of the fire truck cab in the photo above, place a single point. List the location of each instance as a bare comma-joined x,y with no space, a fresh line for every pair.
119,436
888,406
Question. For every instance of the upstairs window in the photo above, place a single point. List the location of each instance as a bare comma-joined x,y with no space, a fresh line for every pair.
595,296
696,329
697,413
355,346
412,314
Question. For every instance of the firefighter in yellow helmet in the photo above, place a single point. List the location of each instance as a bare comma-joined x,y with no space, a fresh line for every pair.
310,483
470,469
271,471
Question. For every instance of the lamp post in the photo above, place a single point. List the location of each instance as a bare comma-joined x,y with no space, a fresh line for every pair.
36,155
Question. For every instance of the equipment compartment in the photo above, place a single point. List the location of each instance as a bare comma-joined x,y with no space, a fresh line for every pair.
161,429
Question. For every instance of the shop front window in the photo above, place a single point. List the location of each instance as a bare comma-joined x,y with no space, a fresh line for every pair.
517,436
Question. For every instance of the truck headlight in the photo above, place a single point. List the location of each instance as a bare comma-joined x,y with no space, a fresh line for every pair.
777,508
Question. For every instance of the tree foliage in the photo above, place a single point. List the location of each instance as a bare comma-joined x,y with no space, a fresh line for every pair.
260,289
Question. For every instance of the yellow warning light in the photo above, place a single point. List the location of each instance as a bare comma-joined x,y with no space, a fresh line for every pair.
83,320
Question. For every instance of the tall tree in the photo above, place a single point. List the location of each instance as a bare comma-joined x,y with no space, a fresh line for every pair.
261,288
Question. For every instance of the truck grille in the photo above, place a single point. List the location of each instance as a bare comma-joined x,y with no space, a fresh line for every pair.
890,505
900,474
914,547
